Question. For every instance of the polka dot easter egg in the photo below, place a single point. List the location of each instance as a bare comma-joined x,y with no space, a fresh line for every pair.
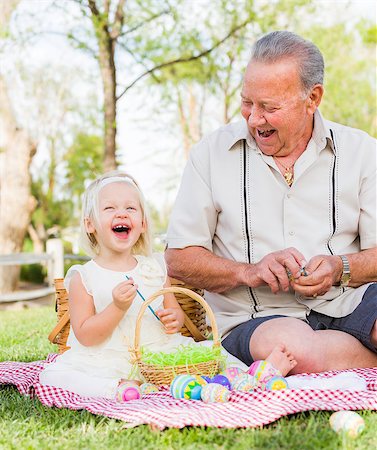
148,388
347,422
215,393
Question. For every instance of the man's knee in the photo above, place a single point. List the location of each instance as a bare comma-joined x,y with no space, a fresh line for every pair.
373,335
297,337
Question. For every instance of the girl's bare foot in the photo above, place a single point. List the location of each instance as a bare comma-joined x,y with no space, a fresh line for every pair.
282,359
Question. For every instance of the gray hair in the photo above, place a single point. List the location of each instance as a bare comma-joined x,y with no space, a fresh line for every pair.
285,44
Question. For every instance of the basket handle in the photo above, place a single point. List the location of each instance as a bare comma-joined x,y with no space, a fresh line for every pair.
58,327
173,289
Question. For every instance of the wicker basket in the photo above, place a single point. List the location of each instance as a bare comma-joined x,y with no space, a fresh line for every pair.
59,334
162,375
194,326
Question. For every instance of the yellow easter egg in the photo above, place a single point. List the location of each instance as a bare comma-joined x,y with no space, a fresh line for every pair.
347,422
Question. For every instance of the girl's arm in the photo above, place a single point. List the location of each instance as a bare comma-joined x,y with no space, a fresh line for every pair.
89,327
172,316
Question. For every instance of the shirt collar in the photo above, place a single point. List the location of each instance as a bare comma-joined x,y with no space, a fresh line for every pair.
321,134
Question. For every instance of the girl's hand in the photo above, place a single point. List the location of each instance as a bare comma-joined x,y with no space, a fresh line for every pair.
171,318
124,294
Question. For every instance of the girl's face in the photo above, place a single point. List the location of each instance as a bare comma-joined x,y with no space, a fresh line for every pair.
120,218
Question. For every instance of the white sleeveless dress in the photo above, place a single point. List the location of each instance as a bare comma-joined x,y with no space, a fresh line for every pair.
96,370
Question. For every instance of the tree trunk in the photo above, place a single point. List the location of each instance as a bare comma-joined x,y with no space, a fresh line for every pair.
108,73
106,35
16,202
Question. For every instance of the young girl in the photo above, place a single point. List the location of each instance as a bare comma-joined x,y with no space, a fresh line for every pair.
105,295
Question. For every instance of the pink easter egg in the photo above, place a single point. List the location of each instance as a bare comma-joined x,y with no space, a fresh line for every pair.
263,371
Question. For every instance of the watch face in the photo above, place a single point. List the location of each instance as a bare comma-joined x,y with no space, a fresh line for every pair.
345,279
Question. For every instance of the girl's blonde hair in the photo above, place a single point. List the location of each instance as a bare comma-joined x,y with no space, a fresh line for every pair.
90,211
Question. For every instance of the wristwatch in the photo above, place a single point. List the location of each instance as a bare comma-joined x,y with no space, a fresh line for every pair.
346,274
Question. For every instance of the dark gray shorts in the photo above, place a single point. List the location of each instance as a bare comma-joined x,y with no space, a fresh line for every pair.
358,324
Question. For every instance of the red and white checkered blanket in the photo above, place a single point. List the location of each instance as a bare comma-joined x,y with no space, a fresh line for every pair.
161,410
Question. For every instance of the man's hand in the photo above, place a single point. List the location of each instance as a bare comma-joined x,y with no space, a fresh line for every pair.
124,294
276,268
323,272
171,318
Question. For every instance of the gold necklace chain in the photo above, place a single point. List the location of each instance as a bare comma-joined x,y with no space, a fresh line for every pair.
288,172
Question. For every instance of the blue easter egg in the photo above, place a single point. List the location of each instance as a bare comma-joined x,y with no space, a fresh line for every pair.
187,387
208,379
276,384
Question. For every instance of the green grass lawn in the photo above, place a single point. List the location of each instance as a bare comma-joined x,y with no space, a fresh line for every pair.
26,424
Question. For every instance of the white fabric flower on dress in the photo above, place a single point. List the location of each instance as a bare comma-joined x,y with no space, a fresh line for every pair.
151,271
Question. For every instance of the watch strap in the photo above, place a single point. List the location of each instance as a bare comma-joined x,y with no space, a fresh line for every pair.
346,273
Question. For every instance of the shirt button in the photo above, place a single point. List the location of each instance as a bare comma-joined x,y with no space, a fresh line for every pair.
291,233
288,195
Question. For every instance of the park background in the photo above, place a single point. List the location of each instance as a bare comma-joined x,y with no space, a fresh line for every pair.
91,85
88,85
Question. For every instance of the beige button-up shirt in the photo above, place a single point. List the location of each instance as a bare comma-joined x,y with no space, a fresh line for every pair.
234,202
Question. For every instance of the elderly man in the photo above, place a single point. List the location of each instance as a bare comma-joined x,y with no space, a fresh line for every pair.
276,219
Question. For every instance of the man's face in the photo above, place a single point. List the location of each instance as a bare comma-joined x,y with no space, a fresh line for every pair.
278,113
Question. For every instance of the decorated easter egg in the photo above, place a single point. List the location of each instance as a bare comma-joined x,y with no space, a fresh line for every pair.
231,372
215,393
127,391
187,387
244,382
221,379
202,379
276,384
208,379
347,422
148,388
262,371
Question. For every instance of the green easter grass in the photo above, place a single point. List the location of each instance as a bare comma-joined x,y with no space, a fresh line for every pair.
183,355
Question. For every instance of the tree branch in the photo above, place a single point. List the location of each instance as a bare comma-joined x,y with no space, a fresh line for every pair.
93,8
184,60
139,61
106,7
118,20
136,27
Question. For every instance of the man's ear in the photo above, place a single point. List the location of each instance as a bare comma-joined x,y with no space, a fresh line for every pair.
89,226
315,97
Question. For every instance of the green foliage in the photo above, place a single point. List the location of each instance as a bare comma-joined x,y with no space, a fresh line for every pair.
50,210
350,84
34,273
368,32
84,161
